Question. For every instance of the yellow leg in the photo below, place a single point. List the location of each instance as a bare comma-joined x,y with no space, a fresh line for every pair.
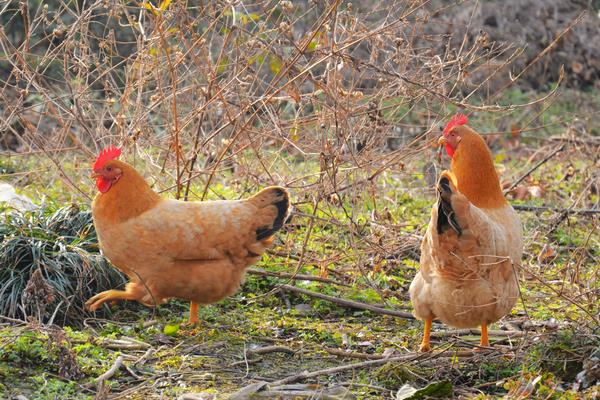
485,341
112,296
426,332
193,314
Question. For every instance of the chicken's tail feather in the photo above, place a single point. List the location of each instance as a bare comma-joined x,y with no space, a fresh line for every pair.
446,216
274,196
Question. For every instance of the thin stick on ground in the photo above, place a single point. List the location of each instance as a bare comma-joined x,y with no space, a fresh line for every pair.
299,277
111,371
354,354
368,364
471,331
271,349
348,303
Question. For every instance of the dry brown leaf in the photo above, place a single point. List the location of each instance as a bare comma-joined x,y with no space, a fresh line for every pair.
523,192
547,254
515,131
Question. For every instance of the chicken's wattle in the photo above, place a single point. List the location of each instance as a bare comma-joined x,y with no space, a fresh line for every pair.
449,150
103,184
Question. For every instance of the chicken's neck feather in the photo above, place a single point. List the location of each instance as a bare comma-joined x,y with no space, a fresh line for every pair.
127,198
475,174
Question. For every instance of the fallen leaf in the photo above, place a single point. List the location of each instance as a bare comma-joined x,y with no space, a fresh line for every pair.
536,191
171,330
519,193
577,67
546,254
436,389
523,192
515,131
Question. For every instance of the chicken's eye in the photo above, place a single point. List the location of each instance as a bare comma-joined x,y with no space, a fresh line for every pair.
109,169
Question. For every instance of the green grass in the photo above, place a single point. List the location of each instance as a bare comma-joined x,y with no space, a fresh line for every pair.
361,239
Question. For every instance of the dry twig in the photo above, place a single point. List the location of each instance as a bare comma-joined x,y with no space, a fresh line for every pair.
347,303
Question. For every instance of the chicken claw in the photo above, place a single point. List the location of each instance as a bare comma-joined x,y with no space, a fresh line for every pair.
111,296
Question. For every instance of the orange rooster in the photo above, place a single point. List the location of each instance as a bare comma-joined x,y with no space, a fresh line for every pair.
195,251
473,241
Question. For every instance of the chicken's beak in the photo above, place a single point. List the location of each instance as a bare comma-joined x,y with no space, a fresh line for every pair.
441,142
94,175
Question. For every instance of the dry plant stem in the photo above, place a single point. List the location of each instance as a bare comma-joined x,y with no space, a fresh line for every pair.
299,277
64,177
246,362
13,320
522,207
368,364
564,215
594,141
124,346
303,251
268,98
347,303
174,104
579,262
353,354
53,105
111,371
470,331
277,78
546,50
272,349
201,112
558,293
536,166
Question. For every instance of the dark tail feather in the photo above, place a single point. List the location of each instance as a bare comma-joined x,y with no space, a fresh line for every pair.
446,216
278,197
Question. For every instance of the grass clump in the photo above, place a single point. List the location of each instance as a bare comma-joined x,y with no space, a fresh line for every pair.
51,265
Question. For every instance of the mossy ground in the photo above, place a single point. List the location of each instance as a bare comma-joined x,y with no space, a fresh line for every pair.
365,241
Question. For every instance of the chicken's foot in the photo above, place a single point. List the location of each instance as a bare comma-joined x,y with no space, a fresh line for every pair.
111,296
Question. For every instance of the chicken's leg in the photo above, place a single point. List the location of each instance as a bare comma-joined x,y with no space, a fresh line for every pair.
484,342
426,332
193,314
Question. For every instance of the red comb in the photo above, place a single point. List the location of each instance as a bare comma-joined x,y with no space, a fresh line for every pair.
109,153
458,119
